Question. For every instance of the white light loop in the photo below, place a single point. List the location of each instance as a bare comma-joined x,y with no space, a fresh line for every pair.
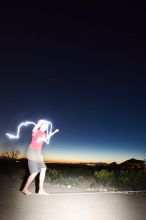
49,130
18,129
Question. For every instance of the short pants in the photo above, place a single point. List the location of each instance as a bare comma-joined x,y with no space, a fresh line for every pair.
35,161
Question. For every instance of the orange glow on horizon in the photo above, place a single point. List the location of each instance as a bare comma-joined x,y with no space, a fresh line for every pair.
73,157
57,159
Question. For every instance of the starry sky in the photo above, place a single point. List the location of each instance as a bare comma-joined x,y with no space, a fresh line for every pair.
81,67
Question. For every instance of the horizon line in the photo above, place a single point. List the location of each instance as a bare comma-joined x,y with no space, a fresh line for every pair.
71,162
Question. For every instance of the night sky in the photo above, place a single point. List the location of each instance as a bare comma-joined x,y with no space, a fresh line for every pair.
82,66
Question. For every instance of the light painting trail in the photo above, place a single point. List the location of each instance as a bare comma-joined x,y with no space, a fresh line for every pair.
49,130
18,129
42,132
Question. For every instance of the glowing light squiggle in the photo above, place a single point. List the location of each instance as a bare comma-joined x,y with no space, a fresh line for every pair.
18,129
49,130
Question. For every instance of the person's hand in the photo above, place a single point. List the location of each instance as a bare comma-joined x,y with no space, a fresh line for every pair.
57,130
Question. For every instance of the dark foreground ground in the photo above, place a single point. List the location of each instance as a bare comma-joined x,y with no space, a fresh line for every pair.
70,205
66,202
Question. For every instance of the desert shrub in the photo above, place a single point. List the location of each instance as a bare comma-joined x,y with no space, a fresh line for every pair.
133,179
10,155
55,174
77,171
126,177
104,177
122,179
140,180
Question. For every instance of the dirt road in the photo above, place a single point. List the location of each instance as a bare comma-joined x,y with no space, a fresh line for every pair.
71,206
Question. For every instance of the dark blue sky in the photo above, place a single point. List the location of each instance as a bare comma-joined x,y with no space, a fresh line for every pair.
81,67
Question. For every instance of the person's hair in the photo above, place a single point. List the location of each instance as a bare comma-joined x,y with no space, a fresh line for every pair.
42,121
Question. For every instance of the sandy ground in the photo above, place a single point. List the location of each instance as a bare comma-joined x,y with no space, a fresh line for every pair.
70,204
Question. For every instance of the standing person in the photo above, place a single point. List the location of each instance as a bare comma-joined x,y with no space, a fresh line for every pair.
35,159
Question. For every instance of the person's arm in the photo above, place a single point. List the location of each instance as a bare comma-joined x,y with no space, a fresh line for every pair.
51,134
47,138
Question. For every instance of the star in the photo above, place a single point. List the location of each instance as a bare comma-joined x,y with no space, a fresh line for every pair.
46,76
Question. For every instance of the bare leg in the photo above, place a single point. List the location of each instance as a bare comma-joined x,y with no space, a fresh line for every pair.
41,183
29,181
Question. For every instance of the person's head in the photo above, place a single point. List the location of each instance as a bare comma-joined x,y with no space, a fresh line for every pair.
43,125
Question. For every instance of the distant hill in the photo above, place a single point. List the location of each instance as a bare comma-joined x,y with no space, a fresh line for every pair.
132,163
113,165
128,164
133,160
